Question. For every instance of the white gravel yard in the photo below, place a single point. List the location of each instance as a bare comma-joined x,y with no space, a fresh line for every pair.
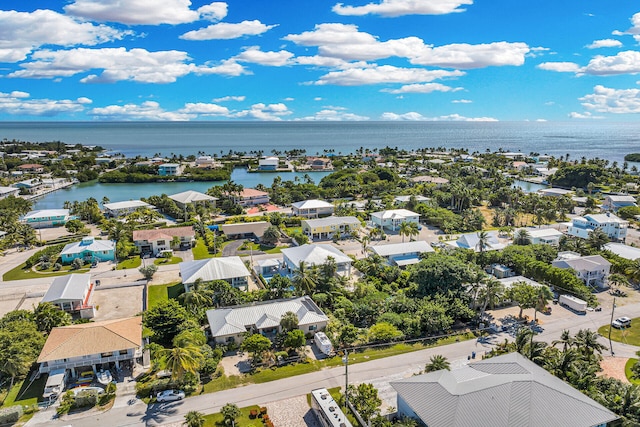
292,413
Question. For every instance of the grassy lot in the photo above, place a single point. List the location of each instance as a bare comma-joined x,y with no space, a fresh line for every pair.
27,396
217,419
22,272
631,335
628,373
258,247
167,261
131,262
200,250
161,293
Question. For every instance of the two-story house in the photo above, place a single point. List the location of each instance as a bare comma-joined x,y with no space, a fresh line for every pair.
312,208
593,270
169,169
613,202
230,269
251,197
163,239
72,294
391,219
325,228
614,227
47,218
90,250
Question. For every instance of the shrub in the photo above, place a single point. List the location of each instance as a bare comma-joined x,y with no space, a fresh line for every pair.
51,252
86,398
77,264
10,415
45,265
253,414
57,266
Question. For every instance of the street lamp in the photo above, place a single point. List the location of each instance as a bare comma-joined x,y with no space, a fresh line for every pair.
345,360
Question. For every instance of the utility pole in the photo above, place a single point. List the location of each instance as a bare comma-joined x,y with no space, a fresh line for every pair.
345,359
613,308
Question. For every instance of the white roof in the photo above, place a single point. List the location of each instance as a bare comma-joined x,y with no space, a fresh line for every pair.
604,218
554,191
91,245
395,213
191,196
621,198
404,199
213,269
624,251
127,204
471,241
314,254
312,204
543,232
332,220
169,165
71,287
419,246
45,213
234,320
509,281
5,190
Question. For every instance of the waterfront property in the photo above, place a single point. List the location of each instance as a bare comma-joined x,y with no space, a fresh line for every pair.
191,197
72,294
426,179
325,228
31,168
230,324
593,270
391,219
170,169
161,240
615,228
246,230
319,163
546,236
89,250
93,346
230,269
268,164
314,254
613,202
554,192
251,197
401,254
8,191
123,208
502,391
312,208
472,241
47,218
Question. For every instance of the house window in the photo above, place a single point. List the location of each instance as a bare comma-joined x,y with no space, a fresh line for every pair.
123,352
161,242
109,354
313,327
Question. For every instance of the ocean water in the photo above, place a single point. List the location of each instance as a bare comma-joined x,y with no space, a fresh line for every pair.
607,140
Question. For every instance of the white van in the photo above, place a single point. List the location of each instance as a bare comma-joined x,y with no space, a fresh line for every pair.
55,383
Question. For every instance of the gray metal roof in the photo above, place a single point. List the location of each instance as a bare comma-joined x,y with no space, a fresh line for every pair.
508,391
127,204
234,320
332,220
191,196
416,247
68,288
311,204
314,254
625,251
585,263
213,269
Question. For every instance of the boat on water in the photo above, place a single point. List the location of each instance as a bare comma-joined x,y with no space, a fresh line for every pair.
104,377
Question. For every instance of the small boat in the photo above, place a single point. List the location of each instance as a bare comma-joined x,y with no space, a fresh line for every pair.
104,377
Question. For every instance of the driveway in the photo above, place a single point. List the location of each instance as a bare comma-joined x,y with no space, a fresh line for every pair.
232,248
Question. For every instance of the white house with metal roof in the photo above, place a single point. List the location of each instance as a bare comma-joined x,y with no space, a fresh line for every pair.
614,227
126,207
47,218
230,324
391,219
593,270
401,254
191,197
400,200
546,236
230,269
324,228
472,241
625,251
312,208
504,391
72,294
8,191
613,202
315,254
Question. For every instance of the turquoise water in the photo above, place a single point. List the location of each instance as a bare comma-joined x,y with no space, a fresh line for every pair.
528,187
119,192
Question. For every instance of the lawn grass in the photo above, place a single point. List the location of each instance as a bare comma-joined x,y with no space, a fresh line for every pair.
27,396
131,262
215,420
22,272
629,373
161,293
200,250
630,335
167,261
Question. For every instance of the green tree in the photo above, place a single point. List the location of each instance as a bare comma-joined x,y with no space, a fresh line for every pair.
48,316
304,279
148,271
271,235
180,360
230,412
256,345
295,339
74,226
597,239
437,363
166,320
384,331
20,345
198,299
522,237
365,400
194,419
543,295
289,321
523,294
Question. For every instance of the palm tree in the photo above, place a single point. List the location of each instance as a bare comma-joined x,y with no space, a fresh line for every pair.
304,280
597,239
565,339
522,237
194,419
483,241
586,341
543,295
404,230
491,294
633,271
437,363
199,298
618,279
181,359
561,362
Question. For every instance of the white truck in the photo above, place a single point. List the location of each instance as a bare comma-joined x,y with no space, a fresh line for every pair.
575,304
323,343
55,384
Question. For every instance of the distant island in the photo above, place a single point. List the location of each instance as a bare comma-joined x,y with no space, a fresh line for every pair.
632,157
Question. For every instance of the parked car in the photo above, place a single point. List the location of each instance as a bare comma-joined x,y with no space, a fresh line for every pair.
170,395
621,322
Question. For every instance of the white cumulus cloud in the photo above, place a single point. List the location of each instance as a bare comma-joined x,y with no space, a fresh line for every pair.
19,103
393,8
585,115
634,30
254,55
463,55
560,67
23,32
263,111
230,98
334,115
627,62
461,101
616,101
384,74
423,88
204,109
148,110
413,116
227,31
604,43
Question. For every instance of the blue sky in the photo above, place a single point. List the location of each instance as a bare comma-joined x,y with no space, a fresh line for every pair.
548,60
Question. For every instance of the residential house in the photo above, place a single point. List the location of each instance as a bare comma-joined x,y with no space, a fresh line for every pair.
268,164
509,281
593,270
230,269
613,202
103,160
191,197
31,168
314,254
8,191
500,271
207,162
319,163
160,240
401,200
312,208
267,268
246,230
438,181
503,391
30,184
391,219
472,241
170,169
325,228
230,324
47,218
615,228
554,192
90,250
126,207
93,346
546,236
625,251
401,254
251,197
72,294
